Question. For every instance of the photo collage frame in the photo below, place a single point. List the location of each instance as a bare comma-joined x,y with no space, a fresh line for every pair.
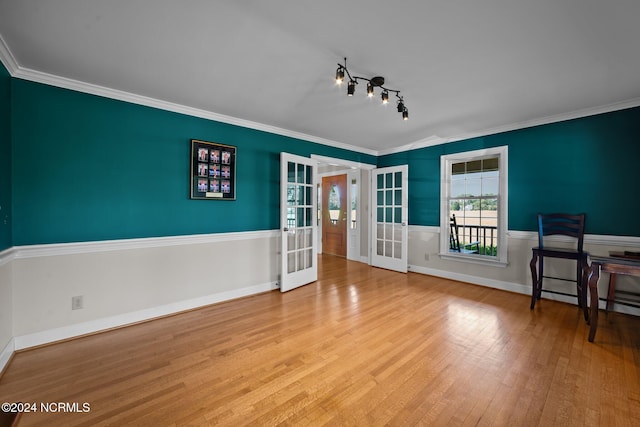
213,171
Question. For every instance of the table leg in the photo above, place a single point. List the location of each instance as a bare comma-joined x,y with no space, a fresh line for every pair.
594,275
611,293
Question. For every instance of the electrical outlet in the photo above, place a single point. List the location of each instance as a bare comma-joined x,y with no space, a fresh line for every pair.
77,302
426,257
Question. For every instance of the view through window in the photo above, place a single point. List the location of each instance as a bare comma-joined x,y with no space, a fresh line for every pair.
473,200
474,188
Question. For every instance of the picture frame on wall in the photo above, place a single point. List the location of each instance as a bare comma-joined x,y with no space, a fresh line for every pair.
211,161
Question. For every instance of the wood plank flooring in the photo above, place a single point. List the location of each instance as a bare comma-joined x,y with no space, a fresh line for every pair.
361,346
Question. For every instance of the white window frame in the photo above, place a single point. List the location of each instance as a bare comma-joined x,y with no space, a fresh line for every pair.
503,195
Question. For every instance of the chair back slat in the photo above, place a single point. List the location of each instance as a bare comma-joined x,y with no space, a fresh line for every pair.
454,240
561,224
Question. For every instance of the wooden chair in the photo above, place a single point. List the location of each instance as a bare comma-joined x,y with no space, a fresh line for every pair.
565,225
454,240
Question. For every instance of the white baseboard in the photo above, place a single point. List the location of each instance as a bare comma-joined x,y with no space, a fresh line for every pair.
6,353
491,283
513,287
79,329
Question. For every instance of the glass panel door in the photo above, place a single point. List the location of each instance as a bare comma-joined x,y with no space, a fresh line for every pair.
389,232
298,221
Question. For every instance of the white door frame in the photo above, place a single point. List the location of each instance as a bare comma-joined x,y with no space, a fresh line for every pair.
350,168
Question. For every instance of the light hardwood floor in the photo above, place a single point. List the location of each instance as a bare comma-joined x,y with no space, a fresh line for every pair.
361,346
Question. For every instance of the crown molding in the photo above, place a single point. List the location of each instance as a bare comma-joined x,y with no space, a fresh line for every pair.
7,58
586,112
15,70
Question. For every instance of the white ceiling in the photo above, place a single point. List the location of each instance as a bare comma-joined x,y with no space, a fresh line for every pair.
465,67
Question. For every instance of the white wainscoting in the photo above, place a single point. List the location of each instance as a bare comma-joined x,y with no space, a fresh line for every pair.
6,308
128,281
424,258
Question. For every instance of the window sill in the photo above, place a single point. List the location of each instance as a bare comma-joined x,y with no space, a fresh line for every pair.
474,259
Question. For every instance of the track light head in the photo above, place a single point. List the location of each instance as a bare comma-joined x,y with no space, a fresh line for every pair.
405,114
351,87
340,75
400,106
385,96
369,90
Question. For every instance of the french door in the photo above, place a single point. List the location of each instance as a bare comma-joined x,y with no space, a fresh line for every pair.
389,231
298,225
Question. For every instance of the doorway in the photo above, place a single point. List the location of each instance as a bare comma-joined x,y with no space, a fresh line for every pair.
334,215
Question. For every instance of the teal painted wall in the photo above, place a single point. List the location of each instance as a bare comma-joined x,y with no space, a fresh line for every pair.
77,167
88,168
5,159
589,165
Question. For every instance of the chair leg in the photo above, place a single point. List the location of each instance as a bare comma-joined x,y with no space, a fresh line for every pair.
534,280
583,276
579,282
540,275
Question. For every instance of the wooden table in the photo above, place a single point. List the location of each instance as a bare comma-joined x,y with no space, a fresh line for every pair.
611,292
610,265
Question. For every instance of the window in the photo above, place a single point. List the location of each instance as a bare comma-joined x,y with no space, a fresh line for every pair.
473,222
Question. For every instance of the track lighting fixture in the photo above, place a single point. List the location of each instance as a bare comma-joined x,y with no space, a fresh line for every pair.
371,84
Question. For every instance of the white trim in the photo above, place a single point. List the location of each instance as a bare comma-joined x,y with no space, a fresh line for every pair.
473,259
7,58
593,239
7,256
590,239
55,249
354,235
6,353
422,143
342,162
78,329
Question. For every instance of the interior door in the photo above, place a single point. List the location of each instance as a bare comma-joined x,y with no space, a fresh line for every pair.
298,204
334,215
389,232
